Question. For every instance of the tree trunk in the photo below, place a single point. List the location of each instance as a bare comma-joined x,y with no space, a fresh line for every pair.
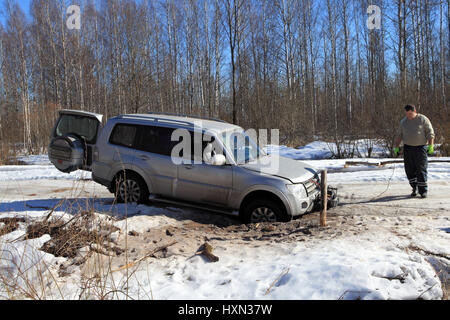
442,58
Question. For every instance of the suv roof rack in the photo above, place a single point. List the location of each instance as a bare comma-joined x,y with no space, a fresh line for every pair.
187,116
156,119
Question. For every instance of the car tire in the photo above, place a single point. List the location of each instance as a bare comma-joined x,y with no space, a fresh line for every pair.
262,210
67,152
131,188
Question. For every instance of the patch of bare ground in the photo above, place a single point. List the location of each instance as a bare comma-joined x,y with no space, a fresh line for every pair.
191,235
84,238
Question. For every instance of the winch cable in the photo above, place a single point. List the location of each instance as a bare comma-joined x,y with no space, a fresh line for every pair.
379,195
369,199
372,200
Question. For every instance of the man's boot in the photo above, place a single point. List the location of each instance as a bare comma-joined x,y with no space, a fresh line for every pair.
414,193
423,190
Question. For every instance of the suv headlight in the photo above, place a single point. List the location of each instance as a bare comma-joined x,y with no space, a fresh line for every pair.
298,190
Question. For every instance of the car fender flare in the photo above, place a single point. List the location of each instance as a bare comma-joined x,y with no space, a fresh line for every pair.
130,167
265,188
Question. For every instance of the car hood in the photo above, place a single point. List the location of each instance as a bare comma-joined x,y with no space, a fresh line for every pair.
293,170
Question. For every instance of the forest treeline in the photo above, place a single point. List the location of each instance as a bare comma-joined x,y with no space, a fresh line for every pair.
313,69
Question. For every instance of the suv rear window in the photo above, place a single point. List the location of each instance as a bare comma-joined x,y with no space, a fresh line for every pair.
83,126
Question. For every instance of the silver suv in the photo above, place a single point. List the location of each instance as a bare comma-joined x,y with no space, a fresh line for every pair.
198,162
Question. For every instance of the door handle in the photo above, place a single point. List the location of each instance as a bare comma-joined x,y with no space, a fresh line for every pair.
189,166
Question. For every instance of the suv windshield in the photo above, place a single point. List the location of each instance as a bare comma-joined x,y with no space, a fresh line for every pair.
241,146
86,127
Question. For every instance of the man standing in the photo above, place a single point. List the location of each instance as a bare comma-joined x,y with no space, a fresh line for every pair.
417,134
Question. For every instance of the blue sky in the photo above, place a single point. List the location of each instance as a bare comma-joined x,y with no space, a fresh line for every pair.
24,5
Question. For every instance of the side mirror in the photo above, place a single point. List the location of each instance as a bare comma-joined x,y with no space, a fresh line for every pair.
218,160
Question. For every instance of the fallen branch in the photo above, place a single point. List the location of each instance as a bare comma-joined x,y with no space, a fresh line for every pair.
206,249
355,163
151,253
383,163
282,274
401,161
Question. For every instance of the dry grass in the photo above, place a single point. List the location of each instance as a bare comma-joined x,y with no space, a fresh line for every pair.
86,241
445,289
9,225
84,230
68,237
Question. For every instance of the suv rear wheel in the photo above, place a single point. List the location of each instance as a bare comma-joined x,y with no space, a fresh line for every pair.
130,188
261,210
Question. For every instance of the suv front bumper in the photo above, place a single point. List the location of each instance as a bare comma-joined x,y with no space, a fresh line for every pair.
301,206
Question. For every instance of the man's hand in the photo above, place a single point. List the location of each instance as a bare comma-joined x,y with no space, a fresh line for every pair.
396,151
430,149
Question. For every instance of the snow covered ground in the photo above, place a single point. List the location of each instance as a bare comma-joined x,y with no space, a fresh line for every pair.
379,243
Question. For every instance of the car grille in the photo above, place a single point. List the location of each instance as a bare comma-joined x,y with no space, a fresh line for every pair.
312,186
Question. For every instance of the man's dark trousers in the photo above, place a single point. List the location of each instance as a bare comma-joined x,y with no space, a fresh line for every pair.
416,163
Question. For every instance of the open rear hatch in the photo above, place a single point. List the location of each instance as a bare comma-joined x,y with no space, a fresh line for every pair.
72,139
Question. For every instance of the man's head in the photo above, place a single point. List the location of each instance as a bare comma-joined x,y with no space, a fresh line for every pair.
411,111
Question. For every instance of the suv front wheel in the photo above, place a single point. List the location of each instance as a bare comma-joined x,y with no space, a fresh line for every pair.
131,188
261,210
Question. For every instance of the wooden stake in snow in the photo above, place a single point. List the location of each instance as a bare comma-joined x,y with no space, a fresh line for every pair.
323,186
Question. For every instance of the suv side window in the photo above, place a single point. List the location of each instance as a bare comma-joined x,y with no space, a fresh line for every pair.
123,135
155,140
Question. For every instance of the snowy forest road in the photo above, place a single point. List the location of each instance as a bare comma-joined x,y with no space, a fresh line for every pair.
375,230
